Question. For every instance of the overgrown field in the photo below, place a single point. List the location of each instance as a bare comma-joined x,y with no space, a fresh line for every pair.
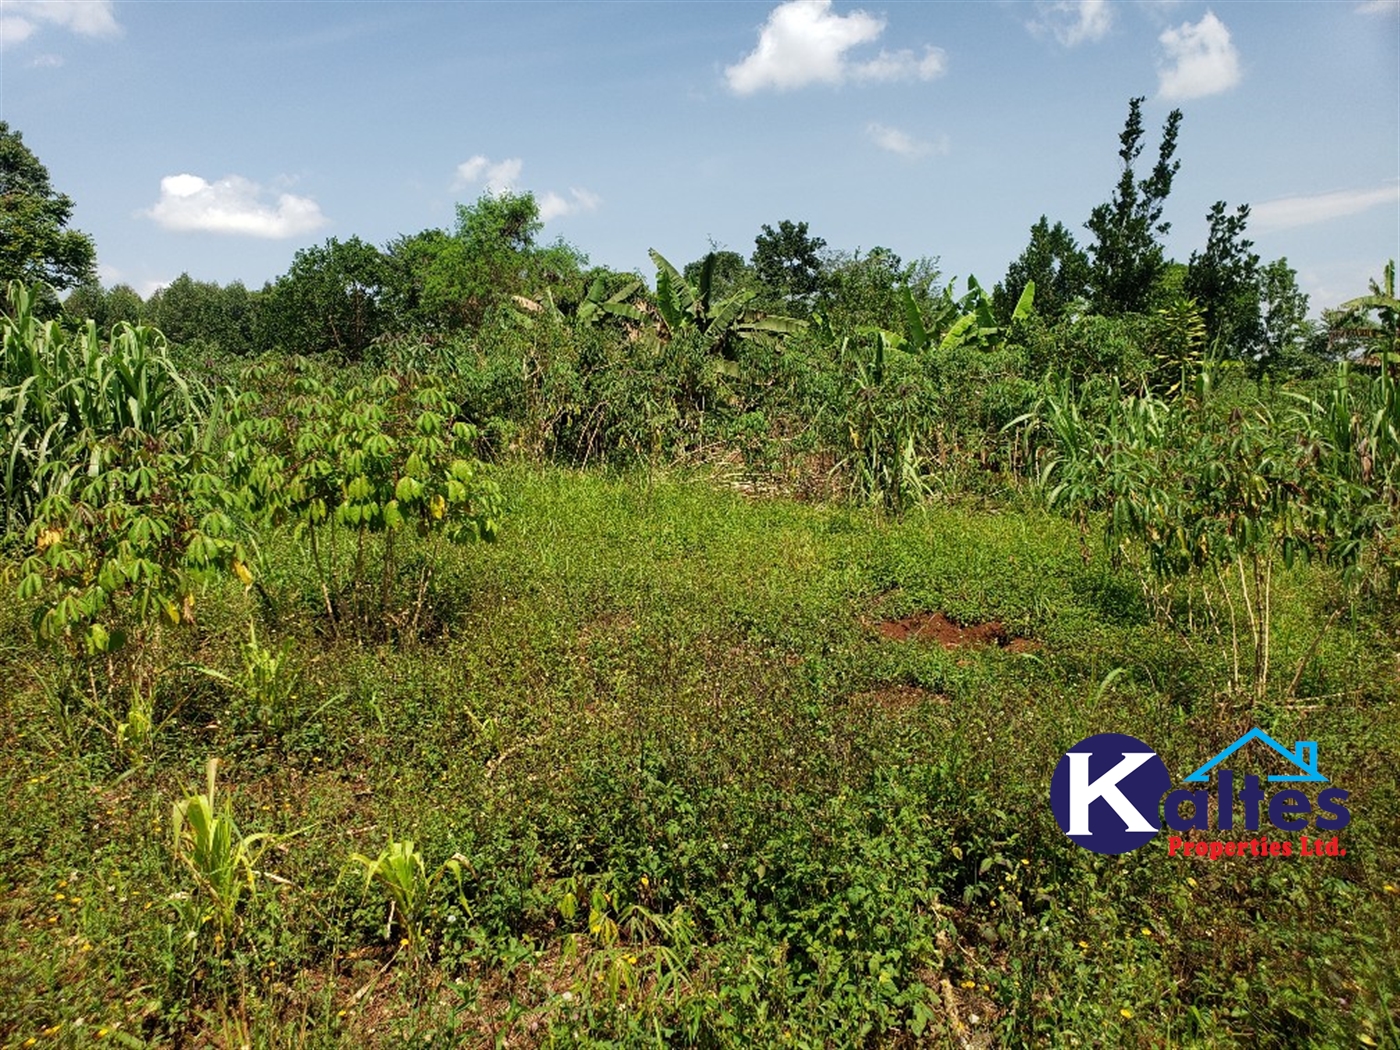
671,782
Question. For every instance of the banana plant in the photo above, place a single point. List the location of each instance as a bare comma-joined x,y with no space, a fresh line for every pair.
956,322
683,306
1384,332
597,304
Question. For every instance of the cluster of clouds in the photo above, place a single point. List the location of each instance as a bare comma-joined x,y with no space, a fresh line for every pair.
232,205
1197,59
241,207
805,42
22,19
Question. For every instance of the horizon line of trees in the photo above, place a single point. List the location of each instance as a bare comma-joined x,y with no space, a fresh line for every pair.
342,296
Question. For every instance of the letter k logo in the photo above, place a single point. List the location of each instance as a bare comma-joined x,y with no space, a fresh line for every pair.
1107,791
1082,791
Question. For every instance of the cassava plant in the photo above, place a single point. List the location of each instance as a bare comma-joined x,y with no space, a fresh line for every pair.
117,555
351,470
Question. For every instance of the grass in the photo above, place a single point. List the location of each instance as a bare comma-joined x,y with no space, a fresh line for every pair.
693,796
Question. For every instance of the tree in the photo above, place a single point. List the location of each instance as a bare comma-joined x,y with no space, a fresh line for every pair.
1224,281
869,290
1283,311
729,272
1127,255
1351,326
332,298
456,280
34,242
1057,265
90,301
788,262
190,311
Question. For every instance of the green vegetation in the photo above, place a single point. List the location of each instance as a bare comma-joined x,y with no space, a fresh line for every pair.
808,569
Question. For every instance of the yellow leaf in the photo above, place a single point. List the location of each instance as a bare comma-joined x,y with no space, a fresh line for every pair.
48,538
438,506
241,571
1127,1014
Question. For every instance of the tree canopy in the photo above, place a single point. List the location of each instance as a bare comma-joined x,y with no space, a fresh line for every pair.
35,243
1127,253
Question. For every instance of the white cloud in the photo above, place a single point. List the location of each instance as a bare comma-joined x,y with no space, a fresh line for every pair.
233,205
901,142
902,65
553,206
498,177
1288,212
1074,22
805,42
1379,7
21,19
46,62
1201,60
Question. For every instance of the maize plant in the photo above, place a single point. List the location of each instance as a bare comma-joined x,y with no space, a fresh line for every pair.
400,872
60,388
206,842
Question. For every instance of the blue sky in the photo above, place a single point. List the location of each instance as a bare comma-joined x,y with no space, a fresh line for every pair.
219,138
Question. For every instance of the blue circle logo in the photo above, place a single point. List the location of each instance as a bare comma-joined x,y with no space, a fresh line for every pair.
1106,793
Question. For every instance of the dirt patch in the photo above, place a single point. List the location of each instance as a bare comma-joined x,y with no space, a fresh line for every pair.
936,627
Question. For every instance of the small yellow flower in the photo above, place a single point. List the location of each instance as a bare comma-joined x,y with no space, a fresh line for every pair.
1146,932
1389,888
1084,944
1191,882
645,883
969,984
1127,1014
101,1033
1026,861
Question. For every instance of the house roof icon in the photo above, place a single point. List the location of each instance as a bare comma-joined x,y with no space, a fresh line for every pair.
1304,756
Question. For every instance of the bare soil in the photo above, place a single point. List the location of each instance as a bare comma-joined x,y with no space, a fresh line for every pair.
937,627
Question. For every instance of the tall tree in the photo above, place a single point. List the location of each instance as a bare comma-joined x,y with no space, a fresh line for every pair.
35,244
1224,281
1127,254
1283,308
332,298
455,280
191,311
788,262
1057,265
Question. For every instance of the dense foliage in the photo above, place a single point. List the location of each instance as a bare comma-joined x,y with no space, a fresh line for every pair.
294,759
